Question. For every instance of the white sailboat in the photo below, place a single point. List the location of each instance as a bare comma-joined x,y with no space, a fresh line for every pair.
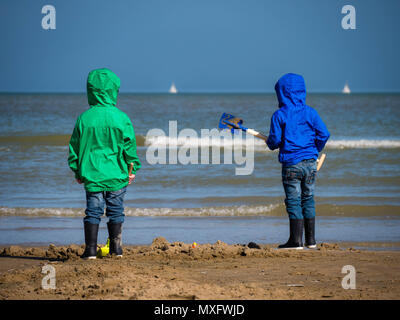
346,88
173,89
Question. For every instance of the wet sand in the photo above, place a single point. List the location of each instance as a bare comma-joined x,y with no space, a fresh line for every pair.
165,270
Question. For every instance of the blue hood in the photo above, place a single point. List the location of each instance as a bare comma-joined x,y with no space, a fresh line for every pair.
291,91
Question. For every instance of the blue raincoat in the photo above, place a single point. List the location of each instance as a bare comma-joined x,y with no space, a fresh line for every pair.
296,129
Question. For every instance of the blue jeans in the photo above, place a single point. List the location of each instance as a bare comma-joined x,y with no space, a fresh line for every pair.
299,183
114,201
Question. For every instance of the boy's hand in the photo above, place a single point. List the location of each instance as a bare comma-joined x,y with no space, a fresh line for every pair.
131,178
79,181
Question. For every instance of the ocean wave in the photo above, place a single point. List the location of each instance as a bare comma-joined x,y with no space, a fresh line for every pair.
260,145
173,142
272,210
147,212
219,142
362,144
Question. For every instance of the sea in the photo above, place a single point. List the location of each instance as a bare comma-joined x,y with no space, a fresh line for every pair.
357,189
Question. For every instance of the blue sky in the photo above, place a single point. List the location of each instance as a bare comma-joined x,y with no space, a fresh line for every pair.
201,45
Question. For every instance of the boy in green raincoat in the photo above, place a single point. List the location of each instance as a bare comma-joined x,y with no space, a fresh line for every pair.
101,149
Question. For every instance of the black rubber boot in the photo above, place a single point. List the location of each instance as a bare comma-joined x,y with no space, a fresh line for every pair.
309,228
115,235
91,231
296,235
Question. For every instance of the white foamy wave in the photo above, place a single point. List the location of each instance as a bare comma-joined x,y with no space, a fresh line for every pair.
195,142
204,212
41,212
260,145
148,212
362,144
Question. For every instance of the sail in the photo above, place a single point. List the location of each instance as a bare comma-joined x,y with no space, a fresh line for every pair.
346,88
173,89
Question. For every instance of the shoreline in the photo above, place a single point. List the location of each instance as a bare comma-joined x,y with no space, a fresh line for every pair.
165,271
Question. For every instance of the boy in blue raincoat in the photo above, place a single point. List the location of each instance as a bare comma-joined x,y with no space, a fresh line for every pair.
300,134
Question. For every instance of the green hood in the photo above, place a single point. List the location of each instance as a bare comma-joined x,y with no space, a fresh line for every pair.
102,88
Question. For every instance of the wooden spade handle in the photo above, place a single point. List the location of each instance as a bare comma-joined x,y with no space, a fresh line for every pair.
257,134
320,161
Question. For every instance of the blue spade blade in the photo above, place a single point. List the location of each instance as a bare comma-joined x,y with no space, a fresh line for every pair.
229,121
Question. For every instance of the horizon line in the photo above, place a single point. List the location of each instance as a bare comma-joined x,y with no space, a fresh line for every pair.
198,92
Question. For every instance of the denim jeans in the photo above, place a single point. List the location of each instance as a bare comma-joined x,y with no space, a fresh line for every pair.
299,183
114,201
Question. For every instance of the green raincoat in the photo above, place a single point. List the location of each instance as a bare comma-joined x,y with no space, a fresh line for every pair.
103,142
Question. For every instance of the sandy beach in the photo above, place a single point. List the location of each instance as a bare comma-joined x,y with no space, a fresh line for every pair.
176,270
